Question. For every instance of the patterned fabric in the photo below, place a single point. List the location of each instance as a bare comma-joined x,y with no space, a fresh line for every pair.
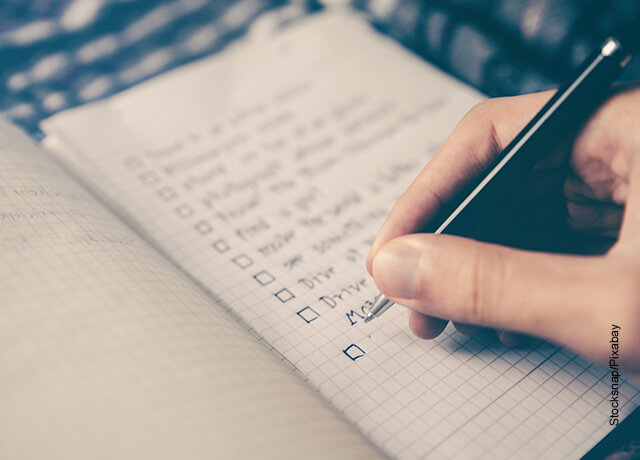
504,47
57,54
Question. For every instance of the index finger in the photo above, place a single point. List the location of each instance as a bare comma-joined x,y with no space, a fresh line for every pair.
475,141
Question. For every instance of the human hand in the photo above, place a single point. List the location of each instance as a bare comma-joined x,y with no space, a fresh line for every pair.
583,200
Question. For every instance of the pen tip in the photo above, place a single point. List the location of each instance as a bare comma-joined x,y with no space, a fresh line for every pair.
368,318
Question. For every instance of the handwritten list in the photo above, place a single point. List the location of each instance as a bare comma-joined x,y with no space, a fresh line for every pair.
265,173
108,349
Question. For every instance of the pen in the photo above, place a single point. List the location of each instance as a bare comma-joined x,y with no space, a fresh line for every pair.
561,117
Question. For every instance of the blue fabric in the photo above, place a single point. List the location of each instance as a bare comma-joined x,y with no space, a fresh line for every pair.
504,47
56,54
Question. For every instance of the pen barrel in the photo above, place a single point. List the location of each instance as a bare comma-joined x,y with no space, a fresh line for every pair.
557,122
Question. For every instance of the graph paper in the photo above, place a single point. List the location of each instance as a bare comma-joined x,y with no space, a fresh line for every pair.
265,173
108,351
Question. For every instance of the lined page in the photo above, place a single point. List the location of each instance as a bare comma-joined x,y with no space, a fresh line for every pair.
108,351
265,173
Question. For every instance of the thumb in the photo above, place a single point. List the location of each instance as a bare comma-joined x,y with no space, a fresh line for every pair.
489,285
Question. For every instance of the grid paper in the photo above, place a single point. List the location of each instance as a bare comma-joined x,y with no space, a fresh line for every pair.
267,186
108,351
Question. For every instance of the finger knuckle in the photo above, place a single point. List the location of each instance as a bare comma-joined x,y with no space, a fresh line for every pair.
482,120
485,292
427,290
484,108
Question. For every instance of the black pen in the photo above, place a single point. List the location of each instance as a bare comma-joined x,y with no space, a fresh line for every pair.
560,118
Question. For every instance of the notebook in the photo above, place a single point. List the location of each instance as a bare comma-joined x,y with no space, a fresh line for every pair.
183,273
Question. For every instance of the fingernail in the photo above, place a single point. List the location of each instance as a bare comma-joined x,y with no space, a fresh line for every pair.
396,270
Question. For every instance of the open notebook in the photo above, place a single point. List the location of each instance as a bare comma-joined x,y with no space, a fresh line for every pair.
214,307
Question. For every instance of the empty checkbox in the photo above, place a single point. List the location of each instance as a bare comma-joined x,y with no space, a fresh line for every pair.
184,210
149,178
264,277
242,261
308,314
203,227
284,295
354,352
167,194
221,246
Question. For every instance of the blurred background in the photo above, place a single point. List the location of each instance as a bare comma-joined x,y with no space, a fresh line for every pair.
57,54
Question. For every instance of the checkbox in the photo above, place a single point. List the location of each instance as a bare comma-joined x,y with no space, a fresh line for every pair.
184,210
242,261
354,352
264,278
149,178
308,314
167,193
221,246
132,163
284,295
203,227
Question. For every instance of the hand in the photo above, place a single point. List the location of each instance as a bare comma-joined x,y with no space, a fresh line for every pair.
583,201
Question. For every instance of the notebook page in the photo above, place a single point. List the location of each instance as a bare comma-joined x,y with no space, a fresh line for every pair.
108,351
265,173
